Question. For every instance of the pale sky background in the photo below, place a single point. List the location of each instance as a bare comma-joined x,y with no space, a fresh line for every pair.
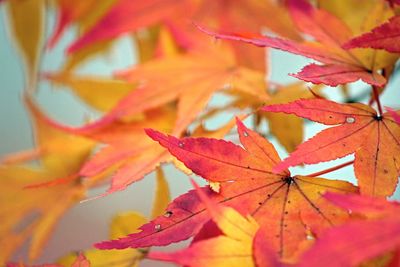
87,223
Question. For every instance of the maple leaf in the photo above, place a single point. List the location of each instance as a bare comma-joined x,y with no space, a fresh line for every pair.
374,139
232,248
287,129
78,58
224,14
122,155
24,217
395,115
127,15
50,141
351,12
357,241
132,160
263,254
157,43
393,2
28,39
339,66
385,36
123,224
84,12
98,92
287,205
161,197
247,14
191,79
167,79
84,15
361,19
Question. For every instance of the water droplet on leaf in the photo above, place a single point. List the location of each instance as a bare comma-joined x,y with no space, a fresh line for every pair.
310,237
350,120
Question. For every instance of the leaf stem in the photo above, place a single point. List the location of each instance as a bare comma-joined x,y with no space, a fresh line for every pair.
377,100
340,166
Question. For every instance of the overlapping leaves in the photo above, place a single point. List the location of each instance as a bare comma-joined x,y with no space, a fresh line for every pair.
339,66
61,155
169,90
289,206
358,241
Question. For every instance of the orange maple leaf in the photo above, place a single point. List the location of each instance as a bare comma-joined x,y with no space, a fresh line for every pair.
374,139
191,79
24,215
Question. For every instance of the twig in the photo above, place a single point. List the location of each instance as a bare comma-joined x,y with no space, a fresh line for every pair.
315,174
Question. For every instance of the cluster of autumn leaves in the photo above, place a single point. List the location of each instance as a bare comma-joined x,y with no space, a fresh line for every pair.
253,212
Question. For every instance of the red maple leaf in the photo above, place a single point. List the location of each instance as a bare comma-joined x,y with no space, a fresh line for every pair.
288,205
330,33
385,36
